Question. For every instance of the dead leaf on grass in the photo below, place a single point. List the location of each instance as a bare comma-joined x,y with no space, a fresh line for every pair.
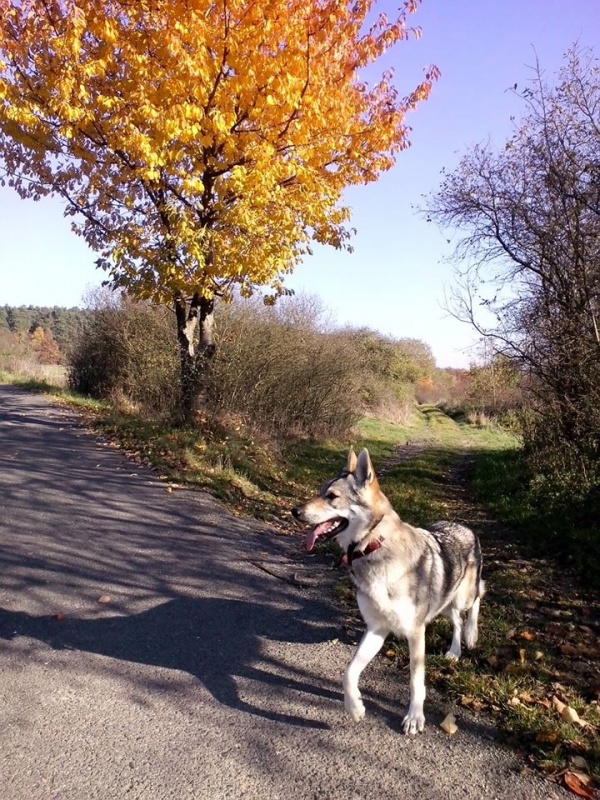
547,737
580,784
527,636
568,714
525,697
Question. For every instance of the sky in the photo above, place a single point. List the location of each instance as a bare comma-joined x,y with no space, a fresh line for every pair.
396,279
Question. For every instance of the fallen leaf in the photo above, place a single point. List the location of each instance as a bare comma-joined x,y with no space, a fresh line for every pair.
525,697
579,784
449,725
527,636
547,737
558,704
568,714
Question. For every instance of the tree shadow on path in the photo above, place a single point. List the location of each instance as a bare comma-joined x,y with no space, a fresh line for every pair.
216,640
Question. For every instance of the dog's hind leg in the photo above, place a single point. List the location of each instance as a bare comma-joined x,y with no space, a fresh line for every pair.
368,648
454,652
414,721
471,632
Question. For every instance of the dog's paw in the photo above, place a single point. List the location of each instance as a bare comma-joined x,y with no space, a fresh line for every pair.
413,722
452,655
355,707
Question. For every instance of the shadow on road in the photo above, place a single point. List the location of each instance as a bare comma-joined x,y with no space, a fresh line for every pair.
215,640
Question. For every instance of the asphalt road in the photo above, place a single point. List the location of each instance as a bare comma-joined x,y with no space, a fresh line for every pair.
204,676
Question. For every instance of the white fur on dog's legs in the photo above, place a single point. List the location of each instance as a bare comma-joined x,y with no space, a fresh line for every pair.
368,648
454,653
471,631
414,721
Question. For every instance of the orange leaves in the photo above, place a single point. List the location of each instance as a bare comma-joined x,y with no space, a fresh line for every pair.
580,784
200,145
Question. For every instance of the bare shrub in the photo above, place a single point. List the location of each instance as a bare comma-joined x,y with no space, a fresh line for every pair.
282,373
126,350
283,370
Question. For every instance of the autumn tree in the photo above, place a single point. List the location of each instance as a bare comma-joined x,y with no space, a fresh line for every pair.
200,146
527,217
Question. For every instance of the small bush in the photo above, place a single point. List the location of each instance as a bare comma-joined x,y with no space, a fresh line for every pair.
282,373
128,350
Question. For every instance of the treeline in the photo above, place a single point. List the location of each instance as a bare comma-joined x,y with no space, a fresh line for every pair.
64,324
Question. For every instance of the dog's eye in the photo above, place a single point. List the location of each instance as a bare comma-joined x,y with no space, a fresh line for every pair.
331,496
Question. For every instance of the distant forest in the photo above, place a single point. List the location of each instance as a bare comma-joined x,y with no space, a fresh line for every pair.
64,323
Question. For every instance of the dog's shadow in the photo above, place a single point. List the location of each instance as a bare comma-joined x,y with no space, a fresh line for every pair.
216,640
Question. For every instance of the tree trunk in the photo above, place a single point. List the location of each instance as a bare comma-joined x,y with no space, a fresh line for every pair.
195,322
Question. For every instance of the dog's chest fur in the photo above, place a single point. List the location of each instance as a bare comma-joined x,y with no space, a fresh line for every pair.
383,595
410,579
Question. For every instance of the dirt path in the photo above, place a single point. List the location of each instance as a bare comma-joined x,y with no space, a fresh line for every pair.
148,654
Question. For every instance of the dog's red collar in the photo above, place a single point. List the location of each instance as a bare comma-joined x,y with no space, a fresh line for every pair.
353,553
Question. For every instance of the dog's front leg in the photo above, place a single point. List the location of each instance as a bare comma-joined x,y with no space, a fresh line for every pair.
368,648
414,721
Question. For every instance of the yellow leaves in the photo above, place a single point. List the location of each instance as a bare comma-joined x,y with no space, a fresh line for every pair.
220,133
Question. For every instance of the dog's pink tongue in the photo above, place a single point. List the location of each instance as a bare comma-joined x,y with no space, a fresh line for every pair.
313,535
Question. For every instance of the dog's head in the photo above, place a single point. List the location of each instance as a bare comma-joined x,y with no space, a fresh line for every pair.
346,507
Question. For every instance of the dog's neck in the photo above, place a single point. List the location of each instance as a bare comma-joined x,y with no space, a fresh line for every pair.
355,552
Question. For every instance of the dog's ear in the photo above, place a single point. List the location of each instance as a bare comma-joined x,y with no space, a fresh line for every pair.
364,471
351,460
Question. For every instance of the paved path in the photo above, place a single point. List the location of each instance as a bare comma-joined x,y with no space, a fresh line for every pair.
204,677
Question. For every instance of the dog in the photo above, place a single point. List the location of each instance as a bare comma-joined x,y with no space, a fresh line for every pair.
404,576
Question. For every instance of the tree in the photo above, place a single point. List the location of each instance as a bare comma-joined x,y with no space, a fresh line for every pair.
44,344
528,220
200,146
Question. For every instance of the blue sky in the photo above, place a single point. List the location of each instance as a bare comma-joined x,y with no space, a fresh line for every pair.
396,278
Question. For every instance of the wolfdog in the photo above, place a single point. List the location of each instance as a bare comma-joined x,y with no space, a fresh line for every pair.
404,576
